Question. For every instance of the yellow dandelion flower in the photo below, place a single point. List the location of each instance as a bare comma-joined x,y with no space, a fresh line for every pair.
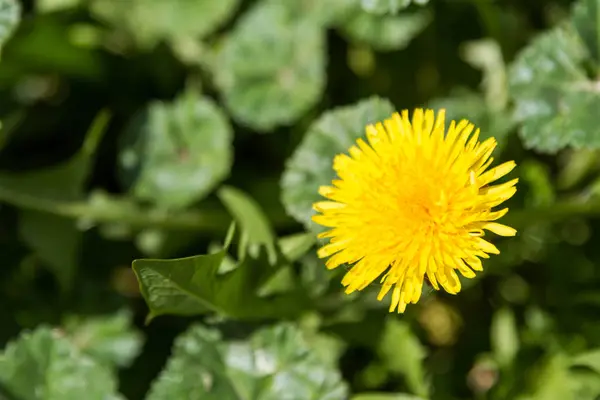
411,203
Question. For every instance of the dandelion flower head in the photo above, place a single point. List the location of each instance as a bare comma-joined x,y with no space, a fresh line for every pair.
412,202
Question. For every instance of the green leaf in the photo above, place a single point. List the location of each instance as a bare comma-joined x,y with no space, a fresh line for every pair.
150,21
110,339
311,164
555,101
586,19
255,226
273,364
193,285
43,365
380,7
287,74
54,239
553,381
504,337
403,353
175,153
56,5
10,14
295,246
386,32
590,359
385,396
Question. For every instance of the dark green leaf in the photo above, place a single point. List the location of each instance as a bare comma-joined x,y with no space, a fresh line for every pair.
555,101
110,339
403,353
10,14
311,164
176,153
193,285
386,32
54,239
287,74
274,364
43,365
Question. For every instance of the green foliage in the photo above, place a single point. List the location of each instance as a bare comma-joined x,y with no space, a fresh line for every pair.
287,74
44,365
311,164
137,181
175,154
150,21
555,97
275,363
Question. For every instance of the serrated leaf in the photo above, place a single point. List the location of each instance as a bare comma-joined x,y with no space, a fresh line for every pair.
175,153
385,32
504,337
10,15
287,74
193,285
380,7
555,101
43,365
110,339
311,164
402,352
150,21
54,239
274,364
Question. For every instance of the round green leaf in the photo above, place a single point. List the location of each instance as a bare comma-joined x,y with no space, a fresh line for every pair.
555,101
175,153
151,20
10,14
271,68
42,365
311,164
385,32
274,364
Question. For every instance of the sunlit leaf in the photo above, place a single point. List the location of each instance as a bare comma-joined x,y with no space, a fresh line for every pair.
556,102
385,396
311,164
175,153
43,365
150,21
274,364
287,74
324,13
386,32
109,339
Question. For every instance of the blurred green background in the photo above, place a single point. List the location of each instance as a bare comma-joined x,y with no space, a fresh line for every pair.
139,129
